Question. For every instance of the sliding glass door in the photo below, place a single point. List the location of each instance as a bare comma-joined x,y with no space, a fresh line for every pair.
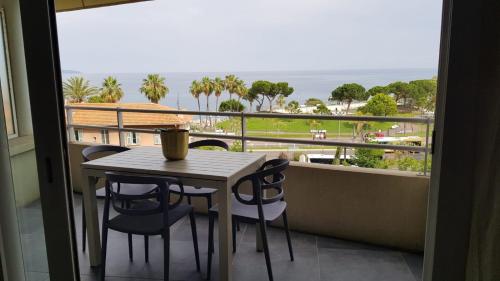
36,239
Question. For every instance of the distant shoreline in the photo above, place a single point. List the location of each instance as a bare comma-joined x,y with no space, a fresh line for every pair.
346,70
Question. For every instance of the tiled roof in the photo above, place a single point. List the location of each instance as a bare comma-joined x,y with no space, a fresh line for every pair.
109,118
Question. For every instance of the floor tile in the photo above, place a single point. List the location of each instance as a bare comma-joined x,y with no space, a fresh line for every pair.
363,265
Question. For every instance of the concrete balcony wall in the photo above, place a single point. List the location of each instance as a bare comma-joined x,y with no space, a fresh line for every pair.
376,206
381,207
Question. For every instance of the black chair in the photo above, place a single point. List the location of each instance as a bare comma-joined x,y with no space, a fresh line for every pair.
149,214
192,191
93,152
257,208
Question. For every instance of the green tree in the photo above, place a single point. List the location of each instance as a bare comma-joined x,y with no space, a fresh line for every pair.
218,86
322,109
258,91
78,89
207,88
111,90
231,105
314,102
424,94
380,105
278,89
196,91
401,91
232,83
349,93
368,158
281,101
241,91
251,98
293,107
376,90
154,88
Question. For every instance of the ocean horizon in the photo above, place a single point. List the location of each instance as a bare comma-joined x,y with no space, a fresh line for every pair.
307,84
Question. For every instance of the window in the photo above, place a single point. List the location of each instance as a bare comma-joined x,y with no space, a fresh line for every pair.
132,138
78,135
6,85
105,136
157,139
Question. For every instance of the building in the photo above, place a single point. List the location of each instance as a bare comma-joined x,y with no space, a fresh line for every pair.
149,121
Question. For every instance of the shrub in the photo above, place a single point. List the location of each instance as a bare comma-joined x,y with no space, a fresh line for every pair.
236,146
231,105
368,158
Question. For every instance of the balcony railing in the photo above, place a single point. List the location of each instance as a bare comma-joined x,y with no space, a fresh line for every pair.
244,137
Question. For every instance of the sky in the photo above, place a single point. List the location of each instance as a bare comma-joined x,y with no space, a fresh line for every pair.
251,35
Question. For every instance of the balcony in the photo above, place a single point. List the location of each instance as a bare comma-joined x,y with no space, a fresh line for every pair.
349,223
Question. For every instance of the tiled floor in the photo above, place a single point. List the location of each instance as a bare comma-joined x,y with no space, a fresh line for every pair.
316,258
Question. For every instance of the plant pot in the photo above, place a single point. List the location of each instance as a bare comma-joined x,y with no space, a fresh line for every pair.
174,143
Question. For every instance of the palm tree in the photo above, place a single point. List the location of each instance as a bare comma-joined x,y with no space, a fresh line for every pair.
281,101
241,90
154,88
231,83
78,89
111,90
207,88
196,91
219,87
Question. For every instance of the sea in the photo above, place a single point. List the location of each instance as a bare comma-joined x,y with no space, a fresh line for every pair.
307,84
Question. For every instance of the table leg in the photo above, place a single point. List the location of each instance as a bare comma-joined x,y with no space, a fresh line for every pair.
258,239
225,235
92,219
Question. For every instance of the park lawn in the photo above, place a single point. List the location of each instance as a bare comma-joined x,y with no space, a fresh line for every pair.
268,125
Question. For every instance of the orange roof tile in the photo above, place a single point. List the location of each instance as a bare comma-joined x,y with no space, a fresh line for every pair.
109,118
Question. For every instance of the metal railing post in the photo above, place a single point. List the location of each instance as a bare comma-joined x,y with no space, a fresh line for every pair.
119,118
243,132
69,122
426,155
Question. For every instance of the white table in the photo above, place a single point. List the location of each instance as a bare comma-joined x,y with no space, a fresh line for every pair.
207,168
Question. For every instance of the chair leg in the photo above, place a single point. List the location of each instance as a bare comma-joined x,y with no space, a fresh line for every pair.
130,251
209,201
209,205
234,233
84,227
189,200
166,253
103,252
146,248
195,240
287,230
210,244
262,224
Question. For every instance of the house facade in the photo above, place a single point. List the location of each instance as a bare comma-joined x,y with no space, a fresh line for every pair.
135,120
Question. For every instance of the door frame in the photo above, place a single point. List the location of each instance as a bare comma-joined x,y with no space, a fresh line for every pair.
454,142
47,110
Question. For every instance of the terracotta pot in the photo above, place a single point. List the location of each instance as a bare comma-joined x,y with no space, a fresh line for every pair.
174,143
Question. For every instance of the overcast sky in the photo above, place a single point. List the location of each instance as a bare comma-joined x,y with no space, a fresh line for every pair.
246,35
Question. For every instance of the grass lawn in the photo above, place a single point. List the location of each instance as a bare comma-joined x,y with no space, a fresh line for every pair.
300,127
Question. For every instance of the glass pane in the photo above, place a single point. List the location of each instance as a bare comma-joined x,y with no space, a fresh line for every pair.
8,103
24,184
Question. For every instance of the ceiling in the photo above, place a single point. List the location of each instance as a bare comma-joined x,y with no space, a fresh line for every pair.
70,5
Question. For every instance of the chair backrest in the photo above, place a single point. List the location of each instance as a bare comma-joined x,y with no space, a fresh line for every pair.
268,177
209,142
160,195
91,150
